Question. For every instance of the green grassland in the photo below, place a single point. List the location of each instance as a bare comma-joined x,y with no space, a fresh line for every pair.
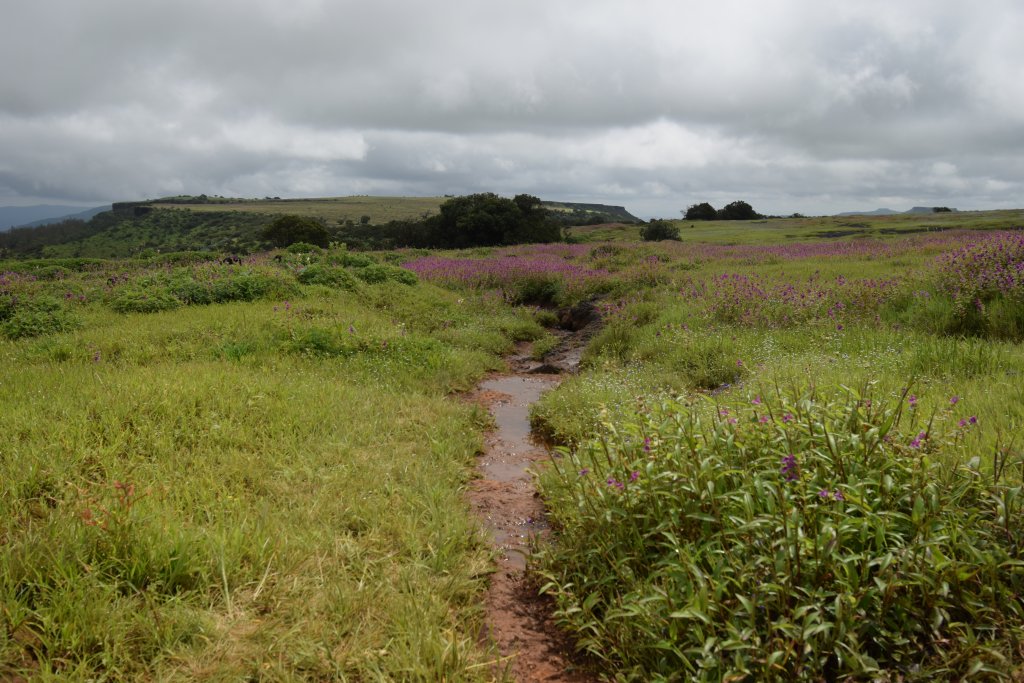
266,487
330,209
787,456
792,461
812,228
378,210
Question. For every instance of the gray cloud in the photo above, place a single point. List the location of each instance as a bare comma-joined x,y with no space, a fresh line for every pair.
791,104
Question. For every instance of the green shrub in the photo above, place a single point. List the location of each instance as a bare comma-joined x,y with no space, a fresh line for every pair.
139,299
537,289
303,248
250,285
34,318
7,305
181,258
215,284
376,274
347,259
657,230
49,273
338,278
796,537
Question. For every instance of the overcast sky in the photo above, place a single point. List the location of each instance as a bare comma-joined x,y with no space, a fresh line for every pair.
808,106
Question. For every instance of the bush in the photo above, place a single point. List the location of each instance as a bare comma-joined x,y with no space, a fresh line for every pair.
802,537
656,230
143,299
339,278
34,318
8,304
347,259
183,258
376,274
537,289
302,248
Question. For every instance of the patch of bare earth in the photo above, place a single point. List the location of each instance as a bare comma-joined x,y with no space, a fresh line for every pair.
519,620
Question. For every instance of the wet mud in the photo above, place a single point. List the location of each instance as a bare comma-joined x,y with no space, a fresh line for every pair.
505,499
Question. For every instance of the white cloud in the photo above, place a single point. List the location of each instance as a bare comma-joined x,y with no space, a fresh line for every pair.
806,106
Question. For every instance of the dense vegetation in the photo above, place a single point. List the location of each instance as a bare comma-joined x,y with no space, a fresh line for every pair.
237,471
783,459
795,461
145,228
734,211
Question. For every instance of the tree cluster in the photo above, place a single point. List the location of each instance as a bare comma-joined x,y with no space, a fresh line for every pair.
290,229
476,220
736,211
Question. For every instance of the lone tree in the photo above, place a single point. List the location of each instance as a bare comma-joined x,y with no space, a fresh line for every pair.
701,212
289,229
737,211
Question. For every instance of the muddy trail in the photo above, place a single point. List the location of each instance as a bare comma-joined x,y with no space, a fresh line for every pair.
506,501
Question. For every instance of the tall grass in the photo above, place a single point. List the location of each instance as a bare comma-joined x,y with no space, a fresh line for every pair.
265,489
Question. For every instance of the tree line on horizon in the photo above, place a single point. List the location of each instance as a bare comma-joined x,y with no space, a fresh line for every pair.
477,220
734,211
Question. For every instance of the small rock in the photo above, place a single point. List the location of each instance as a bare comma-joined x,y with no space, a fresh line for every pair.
545,369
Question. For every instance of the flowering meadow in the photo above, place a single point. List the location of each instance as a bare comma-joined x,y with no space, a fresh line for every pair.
798,463
785,461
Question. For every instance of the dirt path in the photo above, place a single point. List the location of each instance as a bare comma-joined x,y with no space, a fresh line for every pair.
505,499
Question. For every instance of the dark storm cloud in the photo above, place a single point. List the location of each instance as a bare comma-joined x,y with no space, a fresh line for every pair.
797,105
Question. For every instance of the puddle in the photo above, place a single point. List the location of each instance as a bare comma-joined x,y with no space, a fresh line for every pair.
505,500
511,447
504,495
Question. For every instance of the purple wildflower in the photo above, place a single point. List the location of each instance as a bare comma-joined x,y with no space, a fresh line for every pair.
584,472
954,400
789,467
634,475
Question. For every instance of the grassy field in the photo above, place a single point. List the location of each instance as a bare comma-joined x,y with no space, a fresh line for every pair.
790,461
241,472
378,209
330,209
783,459
813,228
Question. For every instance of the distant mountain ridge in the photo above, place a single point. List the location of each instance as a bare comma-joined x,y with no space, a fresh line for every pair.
41,214
890,212
203,223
